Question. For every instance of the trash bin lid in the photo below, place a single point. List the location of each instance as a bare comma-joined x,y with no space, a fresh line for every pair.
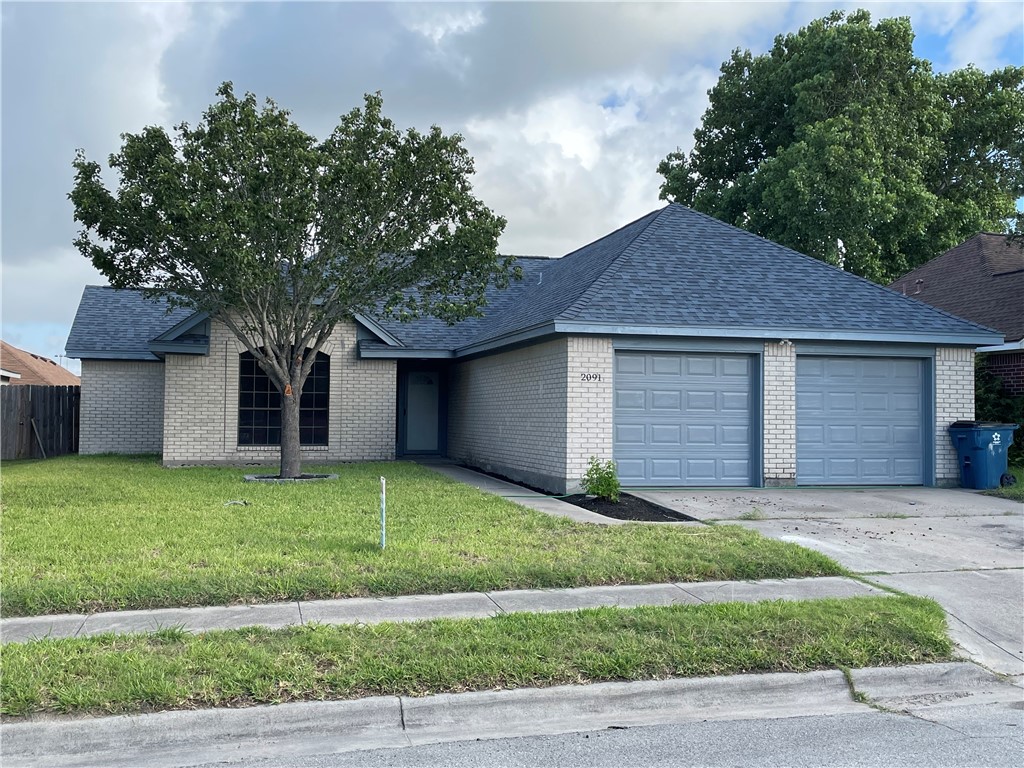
981,425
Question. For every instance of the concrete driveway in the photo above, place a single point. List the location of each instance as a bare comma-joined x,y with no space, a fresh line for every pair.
963,549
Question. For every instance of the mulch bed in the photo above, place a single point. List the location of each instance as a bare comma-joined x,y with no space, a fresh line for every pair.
628,508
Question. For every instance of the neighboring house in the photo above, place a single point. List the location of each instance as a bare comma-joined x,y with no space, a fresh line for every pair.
982,279
691,352
20,367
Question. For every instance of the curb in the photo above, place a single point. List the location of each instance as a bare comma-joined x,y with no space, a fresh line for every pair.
186,738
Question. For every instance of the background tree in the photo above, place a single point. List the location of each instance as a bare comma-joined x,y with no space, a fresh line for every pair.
282,237
840,134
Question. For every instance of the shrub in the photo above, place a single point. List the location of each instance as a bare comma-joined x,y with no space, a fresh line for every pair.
993,402
601,479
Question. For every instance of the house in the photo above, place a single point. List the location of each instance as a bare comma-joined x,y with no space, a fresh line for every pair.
691,352
981,279
20,367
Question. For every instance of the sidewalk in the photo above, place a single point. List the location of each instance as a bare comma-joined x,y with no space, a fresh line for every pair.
316,728
525,497
368,610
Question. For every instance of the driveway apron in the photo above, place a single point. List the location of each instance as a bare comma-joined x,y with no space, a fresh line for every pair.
960,548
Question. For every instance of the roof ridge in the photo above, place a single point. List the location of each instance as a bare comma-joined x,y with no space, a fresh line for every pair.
602,279
843,271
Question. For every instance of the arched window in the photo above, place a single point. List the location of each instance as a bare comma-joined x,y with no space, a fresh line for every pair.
259,404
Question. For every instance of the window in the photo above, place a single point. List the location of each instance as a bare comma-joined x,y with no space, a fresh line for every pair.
259,404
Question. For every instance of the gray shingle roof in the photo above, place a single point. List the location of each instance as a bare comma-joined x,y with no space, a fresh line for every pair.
673,268
112,323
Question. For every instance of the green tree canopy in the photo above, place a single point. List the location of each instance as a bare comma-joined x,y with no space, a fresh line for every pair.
841,144
281,237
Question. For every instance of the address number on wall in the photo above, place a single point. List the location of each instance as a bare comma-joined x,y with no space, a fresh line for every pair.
590,377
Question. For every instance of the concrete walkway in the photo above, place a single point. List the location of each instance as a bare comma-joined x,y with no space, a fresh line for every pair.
368,610
523,496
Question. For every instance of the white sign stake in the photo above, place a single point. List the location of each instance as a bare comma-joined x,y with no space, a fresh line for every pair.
383,512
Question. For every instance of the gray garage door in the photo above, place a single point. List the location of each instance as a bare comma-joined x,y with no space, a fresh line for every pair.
859,421
683,419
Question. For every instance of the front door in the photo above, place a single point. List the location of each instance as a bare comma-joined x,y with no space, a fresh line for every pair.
420,422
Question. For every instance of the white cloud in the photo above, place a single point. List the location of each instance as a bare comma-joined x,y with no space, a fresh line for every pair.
980,38
567,169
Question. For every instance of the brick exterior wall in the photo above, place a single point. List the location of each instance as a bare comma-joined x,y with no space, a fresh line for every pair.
954,400
1008,366
779,409
201,406
507,414
122,407
531,415
589,404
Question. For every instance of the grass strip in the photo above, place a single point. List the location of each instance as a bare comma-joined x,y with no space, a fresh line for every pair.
175,670
1015,492
88,533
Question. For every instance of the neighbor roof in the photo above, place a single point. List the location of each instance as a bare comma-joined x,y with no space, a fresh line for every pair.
672,272
34,369
981,279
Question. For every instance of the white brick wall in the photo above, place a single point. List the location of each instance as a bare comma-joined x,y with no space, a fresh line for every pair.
201,405
589,420
507,413
779,408
529,414
954,401
122,407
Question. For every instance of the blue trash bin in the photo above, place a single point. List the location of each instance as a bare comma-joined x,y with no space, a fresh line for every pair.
981,448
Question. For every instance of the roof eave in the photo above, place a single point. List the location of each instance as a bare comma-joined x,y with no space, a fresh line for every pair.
971,339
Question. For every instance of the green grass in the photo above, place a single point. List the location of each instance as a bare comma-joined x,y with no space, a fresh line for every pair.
1015,492
107,533
174,670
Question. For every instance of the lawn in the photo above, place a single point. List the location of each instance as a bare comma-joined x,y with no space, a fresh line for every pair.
175,670
1015,492
105,533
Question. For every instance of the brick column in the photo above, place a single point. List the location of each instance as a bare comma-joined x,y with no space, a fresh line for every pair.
954,401
588,404
779,414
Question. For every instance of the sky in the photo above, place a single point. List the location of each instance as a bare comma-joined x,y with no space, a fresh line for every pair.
567,108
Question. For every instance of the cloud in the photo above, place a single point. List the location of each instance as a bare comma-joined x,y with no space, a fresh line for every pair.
567,107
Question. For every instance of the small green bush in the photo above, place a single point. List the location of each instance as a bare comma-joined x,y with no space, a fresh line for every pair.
601,479
993,402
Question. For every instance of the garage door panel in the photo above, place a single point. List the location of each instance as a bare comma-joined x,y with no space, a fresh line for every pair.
700,435
735,402
735,436
859,421
735,469
664,365
666,469
701,401
631,470
704,365
630,434
683,418
667,434
631,364
841,401
630,399
662,400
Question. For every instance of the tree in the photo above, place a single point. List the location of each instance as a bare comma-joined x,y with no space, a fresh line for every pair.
281,237
841,144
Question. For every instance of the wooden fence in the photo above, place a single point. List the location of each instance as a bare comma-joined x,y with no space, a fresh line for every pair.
38,422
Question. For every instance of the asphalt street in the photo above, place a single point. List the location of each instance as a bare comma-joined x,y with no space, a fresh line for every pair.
989,735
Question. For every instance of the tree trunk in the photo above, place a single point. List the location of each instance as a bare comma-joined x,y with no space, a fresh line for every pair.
291,456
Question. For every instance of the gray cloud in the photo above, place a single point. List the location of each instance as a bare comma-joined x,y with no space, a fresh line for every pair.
567,107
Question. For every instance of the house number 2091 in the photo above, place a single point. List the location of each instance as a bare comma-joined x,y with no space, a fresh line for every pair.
590,377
